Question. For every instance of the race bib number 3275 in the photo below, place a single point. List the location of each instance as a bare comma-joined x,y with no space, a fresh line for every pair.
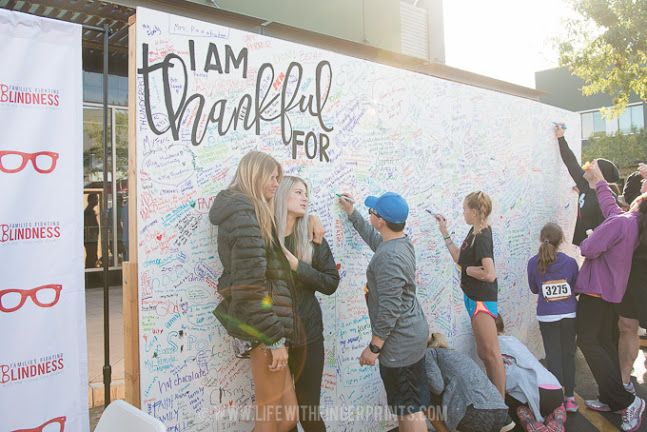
556,290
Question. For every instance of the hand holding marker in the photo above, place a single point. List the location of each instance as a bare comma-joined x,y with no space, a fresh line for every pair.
344,197
442,224
439,217
347,203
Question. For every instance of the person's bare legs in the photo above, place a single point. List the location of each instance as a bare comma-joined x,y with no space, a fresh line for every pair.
269,388
413,422
289,405
628,346
487,348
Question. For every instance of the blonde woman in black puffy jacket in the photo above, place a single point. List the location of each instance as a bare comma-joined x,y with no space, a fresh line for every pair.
257,309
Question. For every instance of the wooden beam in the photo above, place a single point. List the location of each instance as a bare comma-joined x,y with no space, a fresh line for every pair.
97,8
132,138
38,10
131,333
120,34
131,283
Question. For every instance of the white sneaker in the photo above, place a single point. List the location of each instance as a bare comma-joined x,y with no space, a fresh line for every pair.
508,426
632,416
597,405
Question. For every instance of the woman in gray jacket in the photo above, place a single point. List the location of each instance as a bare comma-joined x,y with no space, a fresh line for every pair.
473,403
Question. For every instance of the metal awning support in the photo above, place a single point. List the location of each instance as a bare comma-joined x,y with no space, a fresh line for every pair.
107,368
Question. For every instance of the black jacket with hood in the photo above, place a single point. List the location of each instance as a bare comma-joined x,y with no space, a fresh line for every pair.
589,215
256,282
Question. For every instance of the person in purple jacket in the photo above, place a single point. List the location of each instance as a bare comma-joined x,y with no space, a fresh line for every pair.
552,275
601,283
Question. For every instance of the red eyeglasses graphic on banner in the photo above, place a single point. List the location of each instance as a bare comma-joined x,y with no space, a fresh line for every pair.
54,425
12,161
44,296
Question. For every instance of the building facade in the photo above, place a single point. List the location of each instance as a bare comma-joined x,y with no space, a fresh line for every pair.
562,89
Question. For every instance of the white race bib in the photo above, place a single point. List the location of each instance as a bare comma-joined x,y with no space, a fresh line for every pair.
556,290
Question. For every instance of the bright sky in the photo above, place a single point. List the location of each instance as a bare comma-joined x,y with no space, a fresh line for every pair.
504,39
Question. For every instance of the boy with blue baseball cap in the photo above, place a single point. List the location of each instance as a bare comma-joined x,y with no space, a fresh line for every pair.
399,327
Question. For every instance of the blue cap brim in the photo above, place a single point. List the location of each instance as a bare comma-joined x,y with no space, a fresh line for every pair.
370,201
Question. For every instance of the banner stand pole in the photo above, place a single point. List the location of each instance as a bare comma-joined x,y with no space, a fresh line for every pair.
107,368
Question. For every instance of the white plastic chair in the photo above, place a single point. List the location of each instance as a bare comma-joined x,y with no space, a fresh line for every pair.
120,416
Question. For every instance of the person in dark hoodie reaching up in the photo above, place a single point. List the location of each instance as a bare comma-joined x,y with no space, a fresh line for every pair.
589,215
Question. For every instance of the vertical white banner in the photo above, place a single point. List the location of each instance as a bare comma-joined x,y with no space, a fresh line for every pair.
43,358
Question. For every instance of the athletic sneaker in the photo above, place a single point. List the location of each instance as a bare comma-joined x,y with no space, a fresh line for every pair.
630,388
570,404
632,416
556,421
509,425
596,405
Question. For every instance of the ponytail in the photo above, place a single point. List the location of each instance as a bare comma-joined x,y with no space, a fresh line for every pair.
551,237
481,203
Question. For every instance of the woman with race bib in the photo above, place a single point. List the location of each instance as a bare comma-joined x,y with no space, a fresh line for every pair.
552,275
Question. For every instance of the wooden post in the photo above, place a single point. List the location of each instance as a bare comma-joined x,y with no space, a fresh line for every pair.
130,279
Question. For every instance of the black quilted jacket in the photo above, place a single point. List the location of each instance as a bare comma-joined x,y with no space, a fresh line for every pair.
321,275
256,281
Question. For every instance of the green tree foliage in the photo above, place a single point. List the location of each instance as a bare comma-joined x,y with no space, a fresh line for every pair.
624,150
606,46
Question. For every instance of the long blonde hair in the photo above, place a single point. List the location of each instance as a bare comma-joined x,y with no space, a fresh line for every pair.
253,171
481,203
303,245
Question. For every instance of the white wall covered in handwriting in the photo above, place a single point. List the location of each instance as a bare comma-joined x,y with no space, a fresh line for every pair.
207,94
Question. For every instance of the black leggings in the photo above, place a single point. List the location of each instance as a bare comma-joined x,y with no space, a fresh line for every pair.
597,325
559,344
306,365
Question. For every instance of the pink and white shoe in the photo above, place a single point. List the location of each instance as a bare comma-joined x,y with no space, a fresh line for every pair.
570,404
632,416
